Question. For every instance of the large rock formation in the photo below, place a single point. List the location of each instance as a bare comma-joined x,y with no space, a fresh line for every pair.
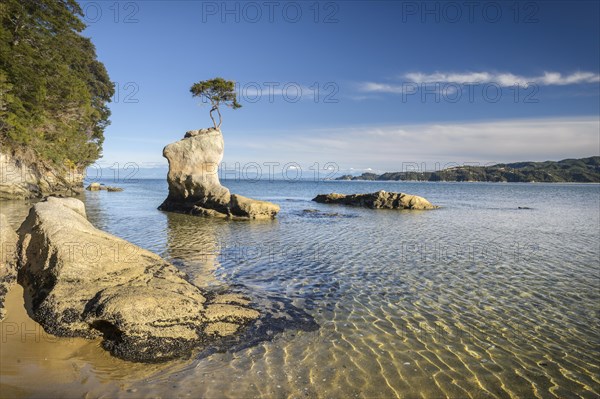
194,185
84,282
8,246
20,179
380,199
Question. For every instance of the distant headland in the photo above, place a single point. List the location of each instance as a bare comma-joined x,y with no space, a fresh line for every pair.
584,170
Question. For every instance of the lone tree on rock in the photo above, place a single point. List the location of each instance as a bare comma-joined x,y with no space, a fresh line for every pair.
218,91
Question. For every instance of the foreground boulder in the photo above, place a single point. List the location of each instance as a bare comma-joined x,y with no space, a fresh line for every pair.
194,185
84,282
8,271
378,200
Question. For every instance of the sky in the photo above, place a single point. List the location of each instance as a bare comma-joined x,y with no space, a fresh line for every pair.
354,85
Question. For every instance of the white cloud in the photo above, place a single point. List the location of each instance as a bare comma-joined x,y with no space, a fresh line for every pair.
373,87
404,88
502,79
388,147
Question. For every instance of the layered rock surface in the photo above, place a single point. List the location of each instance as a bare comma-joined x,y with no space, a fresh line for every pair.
8,271
194,185
19,180
377,200
84,282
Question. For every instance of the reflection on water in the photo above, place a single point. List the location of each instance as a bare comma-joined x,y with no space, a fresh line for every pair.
193,246
477,299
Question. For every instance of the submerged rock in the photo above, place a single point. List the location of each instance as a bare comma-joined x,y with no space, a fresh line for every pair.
84,282
316,214
99,187
194,185
377,200
8,271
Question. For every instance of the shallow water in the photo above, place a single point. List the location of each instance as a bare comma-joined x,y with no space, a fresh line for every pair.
476,299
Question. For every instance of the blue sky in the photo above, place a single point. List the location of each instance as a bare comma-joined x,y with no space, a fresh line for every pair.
362,84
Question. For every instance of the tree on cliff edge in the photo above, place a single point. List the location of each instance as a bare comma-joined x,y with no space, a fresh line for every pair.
219,92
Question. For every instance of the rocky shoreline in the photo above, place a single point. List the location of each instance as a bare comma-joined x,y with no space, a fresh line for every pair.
23,179
83,282
80,281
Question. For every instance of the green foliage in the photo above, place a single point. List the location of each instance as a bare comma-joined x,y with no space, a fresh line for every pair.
218,91
53,90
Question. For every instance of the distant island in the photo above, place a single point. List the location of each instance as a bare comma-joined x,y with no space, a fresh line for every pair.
584,170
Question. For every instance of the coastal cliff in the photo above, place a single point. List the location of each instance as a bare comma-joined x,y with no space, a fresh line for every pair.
21,180
194,186
54,96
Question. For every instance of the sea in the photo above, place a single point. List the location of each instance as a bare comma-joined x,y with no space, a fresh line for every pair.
496,294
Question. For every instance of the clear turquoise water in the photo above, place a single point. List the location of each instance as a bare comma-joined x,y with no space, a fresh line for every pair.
476,299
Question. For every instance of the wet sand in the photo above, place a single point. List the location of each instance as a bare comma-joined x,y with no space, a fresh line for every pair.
36,364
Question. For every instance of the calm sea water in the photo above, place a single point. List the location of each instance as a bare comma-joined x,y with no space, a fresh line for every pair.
476,299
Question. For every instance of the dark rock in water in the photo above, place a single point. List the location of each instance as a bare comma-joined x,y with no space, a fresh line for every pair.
278,314
194,186
377,200
100,187
8,270
83,282
95,187
315,213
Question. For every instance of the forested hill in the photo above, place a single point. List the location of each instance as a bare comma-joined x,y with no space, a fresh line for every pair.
53,90
584,170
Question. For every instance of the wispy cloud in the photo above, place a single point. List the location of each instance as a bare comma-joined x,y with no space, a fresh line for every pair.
502,79
387,147
373,87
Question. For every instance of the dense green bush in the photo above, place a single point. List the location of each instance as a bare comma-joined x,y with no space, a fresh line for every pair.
53,90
